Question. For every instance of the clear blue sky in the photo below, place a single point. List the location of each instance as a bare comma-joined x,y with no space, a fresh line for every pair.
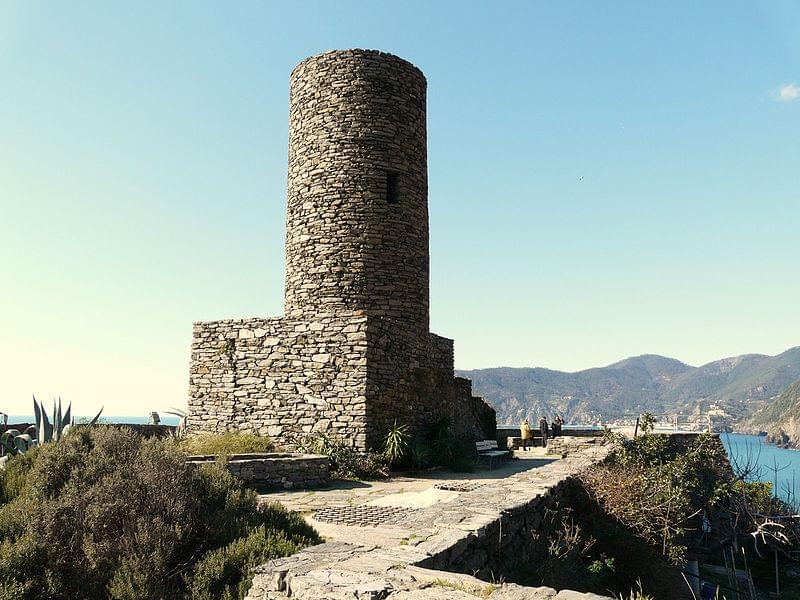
606,179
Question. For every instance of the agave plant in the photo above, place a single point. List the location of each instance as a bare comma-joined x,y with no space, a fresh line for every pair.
14,442
47,431
180,430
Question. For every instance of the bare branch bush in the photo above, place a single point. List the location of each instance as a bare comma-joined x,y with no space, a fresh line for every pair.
754,509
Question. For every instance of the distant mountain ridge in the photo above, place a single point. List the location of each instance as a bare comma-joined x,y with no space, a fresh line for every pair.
740,384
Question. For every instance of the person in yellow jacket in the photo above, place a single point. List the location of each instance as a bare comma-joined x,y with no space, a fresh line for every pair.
525,432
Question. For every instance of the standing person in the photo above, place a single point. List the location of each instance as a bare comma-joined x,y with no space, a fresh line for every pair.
557,423
525,432
543,429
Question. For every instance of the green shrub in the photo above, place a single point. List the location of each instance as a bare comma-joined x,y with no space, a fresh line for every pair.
420,453
657,492
636,594
104,513
436,446
225,573
438,435
758,495
14,477
567,554
345,461
647,422
226,444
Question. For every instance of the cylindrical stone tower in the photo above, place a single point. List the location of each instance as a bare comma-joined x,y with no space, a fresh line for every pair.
357,218
353,354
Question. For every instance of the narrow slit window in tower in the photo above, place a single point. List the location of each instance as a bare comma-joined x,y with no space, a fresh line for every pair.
393,188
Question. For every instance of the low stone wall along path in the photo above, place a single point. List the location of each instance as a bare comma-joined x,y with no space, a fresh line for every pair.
436,535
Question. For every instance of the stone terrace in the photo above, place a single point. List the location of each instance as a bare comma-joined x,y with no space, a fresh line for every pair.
425,537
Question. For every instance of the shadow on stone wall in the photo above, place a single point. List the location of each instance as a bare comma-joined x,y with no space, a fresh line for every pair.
580,547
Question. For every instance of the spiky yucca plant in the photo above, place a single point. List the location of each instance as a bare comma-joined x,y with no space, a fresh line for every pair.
183,425
47,431
395,443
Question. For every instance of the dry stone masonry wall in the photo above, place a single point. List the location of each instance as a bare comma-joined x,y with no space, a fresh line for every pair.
275,470
280,377
353,354
357,119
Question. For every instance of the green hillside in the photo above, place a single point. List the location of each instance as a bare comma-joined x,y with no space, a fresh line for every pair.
780,418
653,383
785,405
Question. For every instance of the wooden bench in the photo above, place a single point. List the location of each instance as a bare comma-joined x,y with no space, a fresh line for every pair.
488,449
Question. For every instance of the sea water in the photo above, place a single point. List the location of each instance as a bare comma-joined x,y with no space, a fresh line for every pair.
165,419
778,466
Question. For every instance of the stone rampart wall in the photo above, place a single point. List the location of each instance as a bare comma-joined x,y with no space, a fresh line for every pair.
276,471
509,431
510,438
280,377
564,444
287,377
473,419
441,354
453,548
504,540
577,432
419,394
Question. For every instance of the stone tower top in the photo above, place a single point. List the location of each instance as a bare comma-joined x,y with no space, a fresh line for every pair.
357,216
355,52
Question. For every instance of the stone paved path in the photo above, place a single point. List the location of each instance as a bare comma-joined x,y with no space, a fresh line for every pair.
412,491
444,536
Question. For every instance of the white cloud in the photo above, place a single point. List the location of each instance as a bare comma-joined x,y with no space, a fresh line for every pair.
789,92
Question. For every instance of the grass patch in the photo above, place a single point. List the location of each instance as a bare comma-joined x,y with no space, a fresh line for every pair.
474,589
345,461
226,444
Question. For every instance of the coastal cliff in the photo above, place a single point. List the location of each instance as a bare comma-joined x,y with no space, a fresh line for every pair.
780,419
